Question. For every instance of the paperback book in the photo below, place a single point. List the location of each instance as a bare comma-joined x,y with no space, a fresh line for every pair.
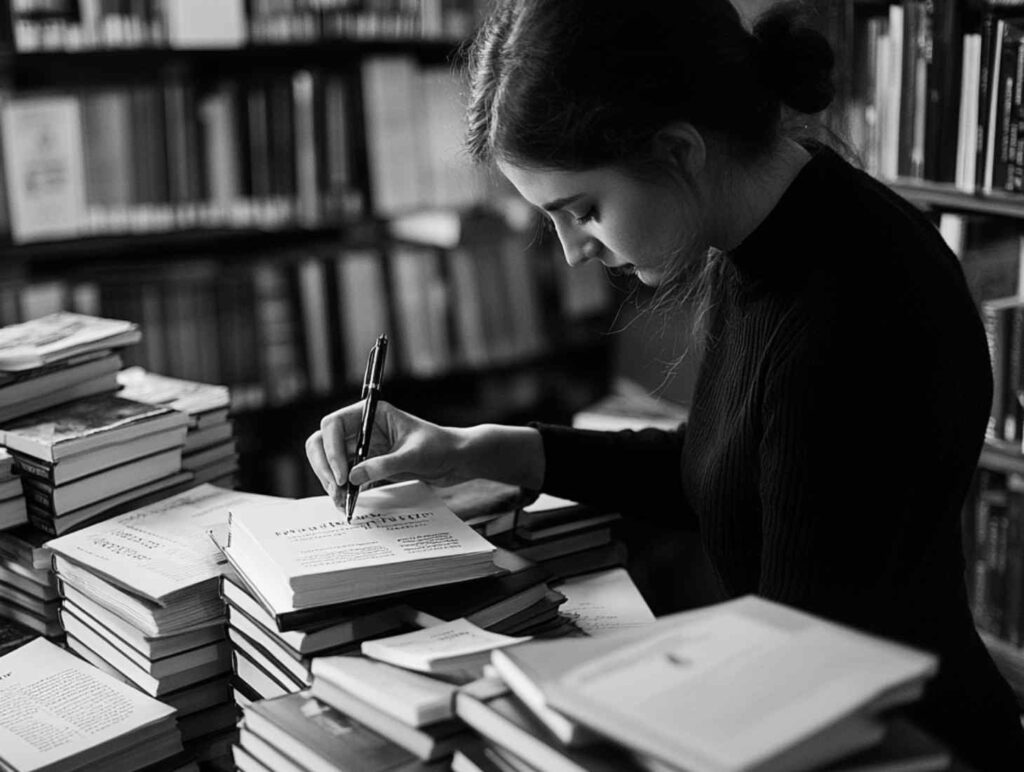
60,336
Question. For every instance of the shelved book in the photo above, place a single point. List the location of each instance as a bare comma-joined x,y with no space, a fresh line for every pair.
679,692
402,537
78,716
83,458
209,453
141,600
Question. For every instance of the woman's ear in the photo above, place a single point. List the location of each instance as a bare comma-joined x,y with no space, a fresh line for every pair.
682,146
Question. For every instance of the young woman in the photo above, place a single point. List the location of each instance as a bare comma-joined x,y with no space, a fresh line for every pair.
845,383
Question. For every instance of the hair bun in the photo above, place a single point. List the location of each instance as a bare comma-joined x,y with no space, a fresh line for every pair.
797,59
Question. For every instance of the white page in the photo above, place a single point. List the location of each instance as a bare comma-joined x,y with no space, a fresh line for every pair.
391,524
780,674
604,602
53,705
418,650
161,548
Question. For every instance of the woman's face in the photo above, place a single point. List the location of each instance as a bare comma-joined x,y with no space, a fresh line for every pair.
635,225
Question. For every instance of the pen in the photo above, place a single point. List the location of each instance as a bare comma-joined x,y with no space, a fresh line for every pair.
371,395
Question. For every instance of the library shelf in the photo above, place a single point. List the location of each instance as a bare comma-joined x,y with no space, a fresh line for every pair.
48,66
1001,458
201,241
944,196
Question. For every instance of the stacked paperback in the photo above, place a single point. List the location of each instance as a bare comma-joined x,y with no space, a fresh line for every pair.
141,602
743,685
12,498
80,460
58,712
59,358
210,453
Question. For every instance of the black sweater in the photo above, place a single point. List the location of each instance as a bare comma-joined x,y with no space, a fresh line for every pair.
837,420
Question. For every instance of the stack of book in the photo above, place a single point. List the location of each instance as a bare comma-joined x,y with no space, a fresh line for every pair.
31,600
57,712
742,685
141,601
12,498
309,583
210,452
80,460
59,358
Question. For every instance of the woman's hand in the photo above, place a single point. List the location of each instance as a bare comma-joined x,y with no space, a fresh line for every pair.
402,447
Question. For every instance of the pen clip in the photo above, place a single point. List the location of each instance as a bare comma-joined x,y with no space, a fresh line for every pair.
367,374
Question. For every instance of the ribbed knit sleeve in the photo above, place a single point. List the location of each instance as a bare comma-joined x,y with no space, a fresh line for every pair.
634,472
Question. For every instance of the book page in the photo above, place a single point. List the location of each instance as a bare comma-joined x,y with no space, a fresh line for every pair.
53,705
604,602
420,649
163,547
391,523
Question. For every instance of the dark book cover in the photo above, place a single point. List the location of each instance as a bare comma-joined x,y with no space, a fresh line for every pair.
328,734
13,635
909,87
988,47
944,83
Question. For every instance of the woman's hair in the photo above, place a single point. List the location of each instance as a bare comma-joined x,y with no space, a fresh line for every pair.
573,84
576,84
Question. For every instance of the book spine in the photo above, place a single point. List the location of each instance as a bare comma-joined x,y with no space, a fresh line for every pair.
34,468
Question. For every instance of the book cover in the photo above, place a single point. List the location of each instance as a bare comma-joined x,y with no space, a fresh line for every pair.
189,397
43,167
86,424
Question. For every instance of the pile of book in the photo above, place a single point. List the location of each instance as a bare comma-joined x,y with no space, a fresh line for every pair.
80,460
12,498
210,452
140,600
308,583
59,358
58,712
28,590
742,685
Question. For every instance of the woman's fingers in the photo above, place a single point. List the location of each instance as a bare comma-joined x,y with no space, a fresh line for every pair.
339,431
318,461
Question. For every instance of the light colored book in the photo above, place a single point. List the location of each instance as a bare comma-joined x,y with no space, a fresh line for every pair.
191,397
43,167
806,691
103,384
81,716
457,649
402,537
31,384
604,602
200,24
60,336
414,699
161,552
87,424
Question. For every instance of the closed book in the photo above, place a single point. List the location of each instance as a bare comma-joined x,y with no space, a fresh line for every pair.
102,384
430,743
320,738
200,401
87,424
256,678
324,631
95,461
412,698
299,667
272,664
43,624
669,695
31,384
13,635
60,336
79,493
13,513
24,544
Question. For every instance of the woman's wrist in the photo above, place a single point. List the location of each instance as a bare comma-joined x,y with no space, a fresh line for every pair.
508,454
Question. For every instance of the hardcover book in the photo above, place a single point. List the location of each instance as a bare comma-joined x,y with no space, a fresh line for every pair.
87,424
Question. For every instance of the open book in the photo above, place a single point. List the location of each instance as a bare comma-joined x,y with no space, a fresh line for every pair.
303,554
60,713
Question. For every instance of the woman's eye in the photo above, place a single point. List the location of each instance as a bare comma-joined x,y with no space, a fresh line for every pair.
587,217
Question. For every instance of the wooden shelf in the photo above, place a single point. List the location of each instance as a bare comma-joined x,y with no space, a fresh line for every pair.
936,195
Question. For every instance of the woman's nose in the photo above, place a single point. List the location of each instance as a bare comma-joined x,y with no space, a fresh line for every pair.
580,250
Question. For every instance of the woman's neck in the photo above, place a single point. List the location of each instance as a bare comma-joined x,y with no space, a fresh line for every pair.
749,192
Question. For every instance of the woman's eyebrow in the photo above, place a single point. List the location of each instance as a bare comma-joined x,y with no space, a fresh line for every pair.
558,203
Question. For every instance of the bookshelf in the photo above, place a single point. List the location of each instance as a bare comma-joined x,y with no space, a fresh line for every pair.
234,198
